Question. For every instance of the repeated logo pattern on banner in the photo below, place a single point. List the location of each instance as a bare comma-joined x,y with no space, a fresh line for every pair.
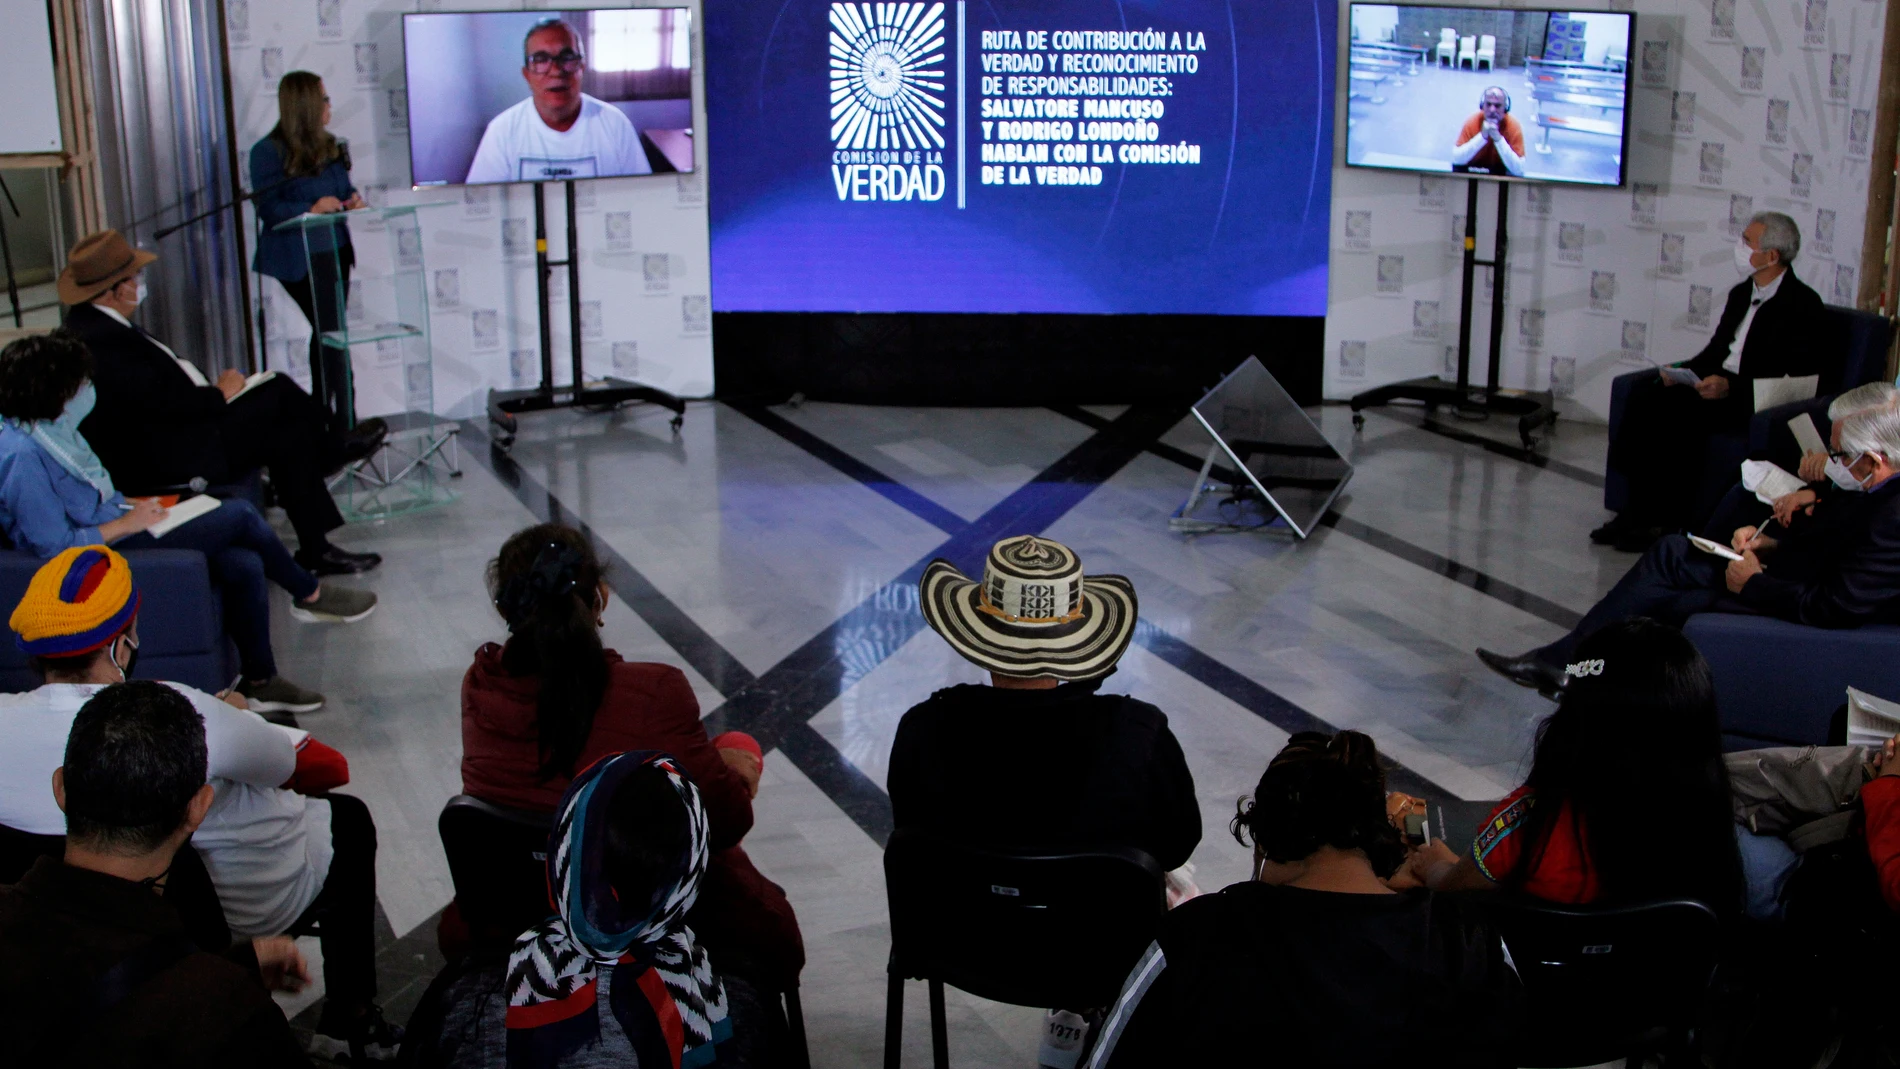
646,313
1736,108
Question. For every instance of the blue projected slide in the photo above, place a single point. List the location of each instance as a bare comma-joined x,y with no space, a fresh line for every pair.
1086,156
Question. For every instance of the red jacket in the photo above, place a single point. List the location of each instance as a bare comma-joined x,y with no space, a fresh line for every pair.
646,707
1880,800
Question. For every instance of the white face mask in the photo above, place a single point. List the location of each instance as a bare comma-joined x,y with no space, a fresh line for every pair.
1743,257
1842,473
139,296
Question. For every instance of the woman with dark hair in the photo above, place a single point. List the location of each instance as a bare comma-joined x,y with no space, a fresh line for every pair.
1634,743
553,700
54,494
300,167
1316,961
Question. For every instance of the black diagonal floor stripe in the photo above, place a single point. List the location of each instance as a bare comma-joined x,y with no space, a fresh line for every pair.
1463,574
697,648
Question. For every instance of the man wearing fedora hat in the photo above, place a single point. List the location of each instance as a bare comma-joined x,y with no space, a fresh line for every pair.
159,423
1039,759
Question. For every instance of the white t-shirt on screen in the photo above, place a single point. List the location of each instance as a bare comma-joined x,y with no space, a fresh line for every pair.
519,147
267,849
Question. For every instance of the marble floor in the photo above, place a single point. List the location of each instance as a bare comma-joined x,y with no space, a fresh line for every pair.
772,553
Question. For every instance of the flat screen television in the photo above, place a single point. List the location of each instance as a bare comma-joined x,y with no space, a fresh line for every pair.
1535,96
1022,156
547,96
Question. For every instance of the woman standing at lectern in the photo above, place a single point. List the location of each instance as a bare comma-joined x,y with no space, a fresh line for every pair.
301,167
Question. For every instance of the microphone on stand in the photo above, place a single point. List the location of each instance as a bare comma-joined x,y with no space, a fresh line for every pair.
161,234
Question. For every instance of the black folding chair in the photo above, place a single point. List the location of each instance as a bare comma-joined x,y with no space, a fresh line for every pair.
498,862
1030,929
1603,983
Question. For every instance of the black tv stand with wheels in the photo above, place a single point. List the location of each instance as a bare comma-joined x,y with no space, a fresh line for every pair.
505,405
1533,409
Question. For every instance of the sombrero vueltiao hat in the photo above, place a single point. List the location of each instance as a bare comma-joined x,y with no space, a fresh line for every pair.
1033,614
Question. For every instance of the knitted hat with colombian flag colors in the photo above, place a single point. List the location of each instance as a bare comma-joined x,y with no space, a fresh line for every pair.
77,602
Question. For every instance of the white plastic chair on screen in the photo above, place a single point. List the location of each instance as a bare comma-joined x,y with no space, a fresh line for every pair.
1468,52
1448,47
1487,53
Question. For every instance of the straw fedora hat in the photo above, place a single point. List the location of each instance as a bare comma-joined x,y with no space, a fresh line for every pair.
98,263
1034,614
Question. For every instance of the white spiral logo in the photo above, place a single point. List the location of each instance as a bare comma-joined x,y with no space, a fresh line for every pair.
887,75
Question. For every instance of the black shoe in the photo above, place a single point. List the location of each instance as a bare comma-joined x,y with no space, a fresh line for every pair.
1636,539
334,560
375,428
1610,532
1526,671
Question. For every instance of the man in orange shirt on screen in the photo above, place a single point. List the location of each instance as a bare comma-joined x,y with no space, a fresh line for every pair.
1490,142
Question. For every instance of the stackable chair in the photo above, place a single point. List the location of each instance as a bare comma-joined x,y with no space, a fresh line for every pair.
1487,53
1467,52
1604,984
1030,929
1447,52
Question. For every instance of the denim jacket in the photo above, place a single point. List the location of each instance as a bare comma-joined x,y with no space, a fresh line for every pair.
43,507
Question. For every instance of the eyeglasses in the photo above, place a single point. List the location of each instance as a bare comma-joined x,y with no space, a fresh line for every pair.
567,59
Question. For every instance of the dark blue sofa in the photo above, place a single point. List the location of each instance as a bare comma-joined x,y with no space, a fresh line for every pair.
181,620
1856,344
1779,684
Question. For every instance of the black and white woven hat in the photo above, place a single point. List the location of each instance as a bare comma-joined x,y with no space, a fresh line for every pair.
1034,614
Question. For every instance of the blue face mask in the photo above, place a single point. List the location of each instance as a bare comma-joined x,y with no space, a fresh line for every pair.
60,437
78,408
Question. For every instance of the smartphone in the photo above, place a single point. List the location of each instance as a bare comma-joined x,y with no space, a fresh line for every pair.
1715,548
1418,830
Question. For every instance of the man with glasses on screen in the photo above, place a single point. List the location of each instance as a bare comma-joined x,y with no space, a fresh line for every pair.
1490,142
559,132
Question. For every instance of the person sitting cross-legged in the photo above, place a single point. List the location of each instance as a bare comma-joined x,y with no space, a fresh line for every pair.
280,848
161,422
1315,961
95,966
1837,568
55,495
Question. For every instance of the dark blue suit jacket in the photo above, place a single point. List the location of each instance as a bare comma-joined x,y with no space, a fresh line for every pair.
280,254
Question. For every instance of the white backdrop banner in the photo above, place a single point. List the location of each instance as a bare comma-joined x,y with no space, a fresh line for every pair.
645,280
1736,108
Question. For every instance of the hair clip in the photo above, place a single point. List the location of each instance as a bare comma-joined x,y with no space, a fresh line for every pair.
1585,668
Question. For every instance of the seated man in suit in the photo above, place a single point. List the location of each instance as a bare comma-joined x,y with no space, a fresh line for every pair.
1741,507
1768,330
1838,567
159,423
1039,759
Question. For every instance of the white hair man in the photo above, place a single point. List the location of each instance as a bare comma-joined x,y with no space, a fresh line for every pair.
1767,330
1836,566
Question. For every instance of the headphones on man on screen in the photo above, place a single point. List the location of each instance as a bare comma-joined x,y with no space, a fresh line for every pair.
1499,88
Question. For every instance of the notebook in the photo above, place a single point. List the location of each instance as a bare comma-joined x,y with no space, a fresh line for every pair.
1871,721
182,513
251,383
